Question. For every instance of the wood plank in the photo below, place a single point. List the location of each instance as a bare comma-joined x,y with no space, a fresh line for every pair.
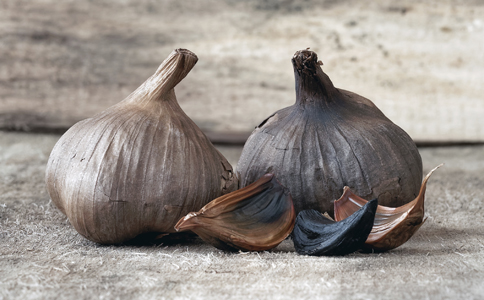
421,65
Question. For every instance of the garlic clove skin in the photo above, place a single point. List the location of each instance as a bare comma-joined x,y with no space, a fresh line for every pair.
255,218
331,138
393,226
138,166
317,235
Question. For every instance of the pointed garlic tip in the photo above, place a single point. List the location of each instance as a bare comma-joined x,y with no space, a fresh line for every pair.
255,218
171,71
393,226
317,235
187,222
424,182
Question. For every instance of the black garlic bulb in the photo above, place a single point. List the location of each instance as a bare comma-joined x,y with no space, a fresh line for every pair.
314,234
140,165
331,138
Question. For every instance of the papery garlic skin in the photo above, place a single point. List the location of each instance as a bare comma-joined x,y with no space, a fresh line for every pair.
255,218
331,138
393,226
138,166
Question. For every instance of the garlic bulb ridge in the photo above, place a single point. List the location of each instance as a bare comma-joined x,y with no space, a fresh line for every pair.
138,166
331,138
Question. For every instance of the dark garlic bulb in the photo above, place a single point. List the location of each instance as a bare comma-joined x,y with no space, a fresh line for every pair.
393,226
315,234
331,138
256,218
138,166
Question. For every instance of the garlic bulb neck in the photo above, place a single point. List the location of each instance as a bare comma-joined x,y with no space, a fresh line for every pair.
313,86
161,84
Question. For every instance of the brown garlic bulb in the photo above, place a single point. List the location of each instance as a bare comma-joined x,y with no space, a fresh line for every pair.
140,165
255,218
393,226
331,138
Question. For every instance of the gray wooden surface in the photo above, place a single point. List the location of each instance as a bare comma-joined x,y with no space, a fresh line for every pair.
43,257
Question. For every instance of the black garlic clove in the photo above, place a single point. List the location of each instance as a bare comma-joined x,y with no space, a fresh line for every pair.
317,235
256,218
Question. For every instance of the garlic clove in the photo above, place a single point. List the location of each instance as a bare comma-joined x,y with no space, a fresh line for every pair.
317,235
255,218
393,225
138,166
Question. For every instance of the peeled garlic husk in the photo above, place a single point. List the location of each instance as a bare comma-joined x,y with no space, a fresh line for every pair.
138,166
315,234
255,218
331,138
393,225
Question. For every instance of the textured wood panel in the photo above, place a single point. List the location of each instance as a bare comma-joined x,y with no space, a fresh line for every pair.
422,64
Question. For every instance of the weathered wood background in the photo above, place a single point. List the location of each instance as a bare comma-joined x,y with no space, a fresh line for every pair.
422,64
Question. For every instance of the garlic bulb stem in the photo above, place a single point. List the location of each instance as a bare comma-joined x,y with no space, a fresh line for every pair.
173,69
312,84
